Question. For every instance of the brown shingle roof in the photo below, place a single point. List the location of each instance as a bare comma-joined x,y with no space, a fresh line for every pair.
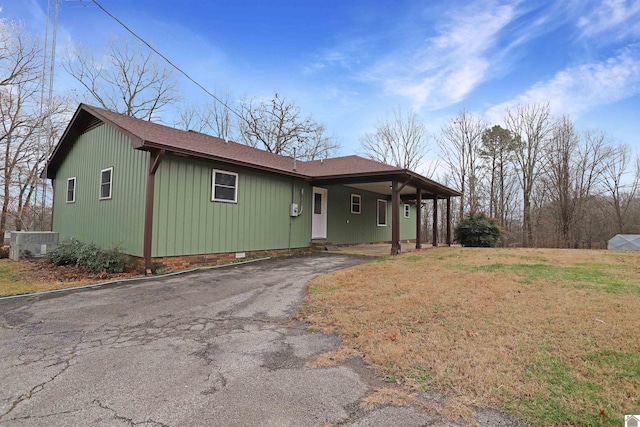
148,135
344,166
157,135
197,143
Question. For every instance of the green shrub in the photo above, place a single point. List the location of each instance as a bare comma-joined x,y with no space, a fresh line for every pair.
88,256
95,260
478,230
66,253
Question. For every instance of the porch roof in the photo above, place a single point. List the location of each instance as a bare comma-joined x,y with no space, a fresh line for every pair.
380,182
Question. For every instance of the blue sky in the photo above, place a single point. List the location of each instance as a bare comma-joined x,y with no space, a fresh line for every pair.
348,63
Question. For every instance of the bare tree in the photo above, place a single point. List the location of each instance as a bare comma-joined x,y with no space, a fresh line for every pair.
621,181
53,120
128,80
20,65
18,131
214,118
25,123
531,125
277,126
594,155
222,122
574,170
460,147
20,55
561,176
193,117
400,141
497,152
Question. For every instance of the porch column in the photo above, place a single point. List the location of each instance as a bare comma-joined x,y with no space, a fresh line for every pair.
418,218
395,218
154,161
435,220
449,241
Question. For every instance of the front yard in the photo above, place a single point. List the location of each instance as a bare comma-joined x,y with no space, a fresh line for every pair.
551,337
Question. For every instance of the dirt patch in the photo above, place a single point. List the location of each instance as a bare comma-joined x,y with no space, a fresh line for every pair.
42,270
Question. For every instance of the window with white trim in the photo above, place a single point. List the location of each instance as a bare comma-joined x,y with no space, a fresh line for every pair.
106,183
71,189
382,213
407,211
224,186
356,203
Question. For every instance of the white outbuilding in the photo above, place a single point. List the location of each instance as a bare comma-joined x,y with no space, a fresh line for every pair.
624,242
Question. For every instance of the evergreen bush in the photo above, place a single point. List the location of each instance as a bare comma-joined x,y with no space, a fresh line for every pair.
478,230
88,256
66,253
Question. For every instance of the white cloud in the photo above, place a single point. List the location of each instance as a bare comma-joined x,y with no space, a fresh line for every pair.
445,68
348,54
623,16
579,89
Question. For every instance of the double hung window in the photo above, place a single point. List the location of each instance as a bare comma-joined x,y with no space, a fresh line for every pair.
224,186
71,190
356,203
106,183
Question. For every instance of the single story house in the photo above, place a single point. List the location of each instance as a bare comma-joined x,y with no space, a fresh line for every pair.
173,197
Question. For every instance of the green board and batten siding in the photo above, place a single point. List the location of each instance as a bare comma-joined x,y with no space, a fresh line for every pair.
344,227
187,222
118,221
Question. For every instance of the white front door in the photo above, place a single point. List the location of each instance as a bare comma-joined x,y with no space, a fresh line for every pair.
319,213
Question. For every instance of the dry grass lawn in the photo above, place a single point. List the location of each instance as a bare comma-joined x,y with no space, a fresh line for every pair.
549,336
29,276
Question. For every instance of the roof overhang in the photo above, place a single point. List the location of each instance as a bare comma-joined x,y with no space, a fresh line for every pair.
380,182
148,146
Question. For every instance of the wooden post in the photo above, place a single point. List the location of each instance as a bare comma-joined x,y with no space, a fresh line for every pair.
395,218
418,218
154,161
435,220
449,241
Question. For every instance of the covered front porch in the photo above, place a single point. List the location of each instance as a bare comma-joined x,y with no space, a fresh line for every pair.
402,187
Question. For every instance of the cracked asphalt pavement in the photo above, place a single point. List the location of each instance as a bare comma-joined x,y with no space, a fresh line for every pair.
210,348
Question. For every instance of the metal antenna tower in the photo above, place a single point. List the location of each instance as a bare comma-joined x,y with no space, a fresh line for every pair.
46,127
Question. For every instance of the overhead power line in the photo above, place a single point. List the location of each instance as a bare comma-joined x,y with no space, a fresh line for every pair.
167,59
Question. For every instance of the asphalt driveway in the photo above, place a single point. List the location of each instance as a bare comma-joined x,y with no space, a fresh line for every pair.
211,348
